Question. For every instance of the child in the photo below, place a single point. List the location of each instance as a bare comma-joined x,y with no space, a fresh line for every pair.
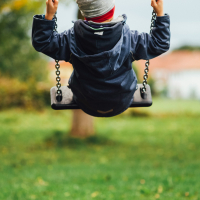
101,51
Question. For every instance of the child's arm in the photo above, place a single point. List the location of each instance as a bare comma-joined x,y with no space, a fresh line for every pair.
147,47
47,41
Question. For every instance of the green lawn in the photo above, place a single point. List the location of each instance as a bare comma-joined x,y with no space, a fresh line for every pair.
154,156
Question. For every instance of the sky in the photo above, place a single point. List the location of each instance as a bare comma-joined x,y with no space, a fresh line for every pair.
184,16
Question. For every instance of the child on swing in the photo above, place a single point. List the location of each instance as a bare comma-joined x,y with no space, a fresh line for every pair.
101,50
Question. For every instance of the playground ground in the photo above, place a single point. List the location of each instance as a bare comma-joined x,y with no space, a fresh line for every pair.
148,156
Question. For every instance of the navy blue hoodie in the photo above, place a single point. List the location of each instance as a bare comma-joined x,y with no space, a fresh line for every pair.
103,81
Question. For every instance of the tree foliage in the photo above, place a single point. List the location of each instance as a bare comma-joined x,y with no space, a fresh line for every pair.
17,56
188,48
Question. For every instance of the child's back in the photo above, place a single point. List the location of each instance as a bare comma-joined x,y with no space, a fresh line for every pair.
103,81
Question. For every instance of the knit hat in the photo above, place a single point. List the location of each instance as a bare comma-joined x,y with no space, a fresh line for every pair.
92,9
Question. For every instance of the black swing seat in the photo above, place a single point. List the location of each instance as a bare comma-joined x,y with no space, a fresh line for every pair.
67,102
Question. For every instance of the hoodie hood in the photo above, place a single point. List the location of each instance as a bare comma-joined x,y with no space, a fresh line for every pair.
99,49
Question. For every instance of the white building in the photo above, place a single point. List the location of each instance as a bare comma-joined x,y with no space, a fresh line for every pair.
178,73
184,84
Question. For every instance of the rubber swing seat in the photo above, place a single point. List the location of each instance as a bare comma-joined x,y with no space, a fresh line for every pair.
67,102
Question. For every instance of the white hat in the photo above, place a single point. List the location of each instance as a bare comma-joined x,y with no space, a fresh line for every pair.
95,8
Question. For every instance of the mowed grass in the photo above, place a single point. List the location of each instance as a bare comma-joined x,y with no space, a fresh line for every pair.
154,156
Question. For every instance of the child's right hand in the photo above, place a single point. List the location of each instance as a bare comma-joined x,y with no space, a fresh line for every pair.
158,7
51,8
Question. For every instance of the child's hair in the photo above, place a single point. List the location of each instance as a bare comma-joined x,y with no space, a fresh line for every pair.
97,10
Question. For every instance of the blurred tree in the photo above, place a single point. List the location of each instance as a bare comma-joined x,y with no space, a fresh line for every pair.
188,48
17,56
82,124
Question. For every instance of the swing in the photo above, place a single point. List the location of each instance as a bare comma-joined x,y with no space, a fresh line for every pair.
62,96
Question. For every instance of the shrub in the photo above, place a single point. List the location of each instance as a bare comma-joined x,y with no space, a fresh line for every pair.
28,95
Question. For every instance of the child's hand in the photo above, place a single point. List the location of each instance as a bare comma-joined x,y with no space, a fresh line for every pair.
51,8
158,7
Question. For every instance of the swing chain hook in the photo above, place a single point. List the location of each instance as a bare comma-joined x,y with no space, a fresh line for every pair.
146,70
57,66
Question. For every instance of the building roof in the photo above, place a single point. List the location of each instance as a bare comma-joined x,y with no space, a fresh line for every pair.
172,62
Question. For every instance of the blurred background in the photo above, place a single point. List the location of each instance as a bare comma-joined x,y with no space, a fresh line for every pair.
144,153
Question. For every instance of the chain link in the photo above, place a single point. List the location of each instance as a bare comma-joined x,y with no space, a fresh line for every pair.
57,66
146,70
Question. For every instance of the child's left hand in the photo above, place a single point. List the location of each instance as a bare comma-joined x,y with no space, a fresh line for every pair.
51,8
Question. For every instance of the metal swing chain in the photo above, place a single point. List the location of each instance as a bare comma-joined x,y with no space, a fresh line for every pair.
57,66
146,70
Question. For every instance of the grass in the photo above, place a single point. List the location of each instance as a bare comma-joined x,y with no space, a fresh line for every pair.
153,156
